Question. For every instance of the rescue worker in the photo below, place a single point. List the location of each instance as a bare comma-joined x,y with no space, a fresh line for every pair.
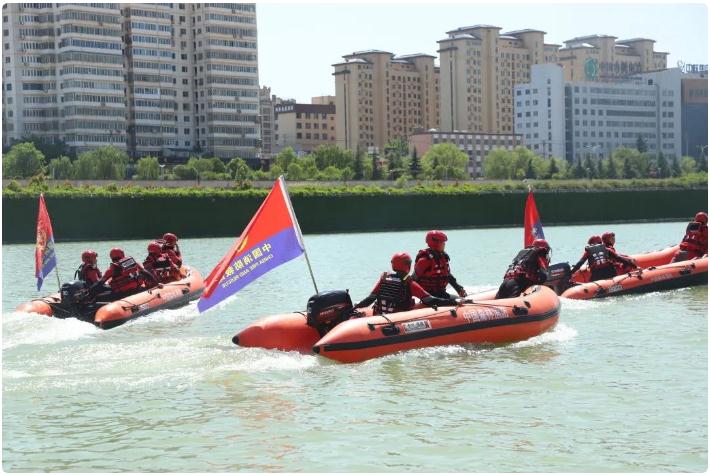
431,267
124,275
695,241
601,260
171,248
88,271
609,240
528,268
394,291
160,265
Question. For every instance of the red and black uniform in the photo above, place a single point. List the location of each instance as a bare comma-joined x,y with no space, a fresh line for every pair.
528,268
89,273
620,266
432,272
601,261
173,253
694,243
394,292
162,267
127,276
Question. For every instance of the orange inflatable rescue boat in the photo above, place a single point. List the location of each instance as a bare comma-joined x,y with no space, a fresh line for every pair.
326,330
110,314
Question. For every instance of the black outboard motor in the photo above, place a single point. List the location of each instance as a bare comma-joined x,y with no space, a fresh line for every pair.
326,309
73,293
558,277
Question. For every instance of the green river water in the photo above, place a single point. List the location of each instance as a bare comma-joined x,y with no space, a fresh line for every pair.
620,384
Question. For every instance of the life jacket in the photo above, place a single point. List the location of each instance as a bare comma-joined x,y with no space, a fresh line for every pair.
394,294
125,275
696,238
436,276
159,266
598,256
523,265
88,273
173,256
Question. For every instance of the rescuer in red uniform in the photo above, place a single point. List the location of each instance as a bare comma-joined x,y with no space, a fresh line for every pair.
88,271
601,260
431,267
160,265
609,240
394,291
695,241
125,276
171,248
528,268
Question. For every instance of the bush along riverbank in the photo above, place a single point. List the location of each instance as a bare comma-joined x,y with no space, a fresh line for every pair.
113,212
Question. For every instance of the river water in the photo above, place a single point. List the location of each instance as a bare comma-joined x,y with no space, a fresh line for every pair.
620,385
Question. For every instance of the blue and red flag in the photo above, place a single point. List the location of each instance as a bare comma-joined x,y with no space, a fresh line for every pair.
533,225
45,258
271,238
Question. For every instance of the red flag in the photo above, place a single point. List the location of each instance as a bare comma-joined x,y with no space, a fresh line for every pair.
533,225
45,258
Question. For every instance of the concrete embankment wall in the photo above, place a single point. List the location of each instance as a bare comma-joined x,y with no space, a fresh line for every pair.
105,218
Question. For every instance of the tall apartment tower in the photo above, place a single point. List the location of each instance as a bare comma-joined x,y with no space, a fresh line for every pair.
63,73
380,97
479,68
154,79
266,110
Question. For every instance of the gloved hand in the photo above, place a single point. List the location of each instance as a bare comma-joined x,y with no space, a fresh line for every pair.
462,292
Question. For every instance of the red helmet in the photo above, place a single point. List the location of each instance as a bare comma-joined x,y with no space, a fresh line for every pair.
608,237
154,248
89,256
170,238
116,254
594,240
701,217
436,239
401,262
541,244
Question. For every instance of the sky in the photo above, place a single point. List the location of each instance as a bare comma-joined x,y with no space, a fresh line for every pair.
299,42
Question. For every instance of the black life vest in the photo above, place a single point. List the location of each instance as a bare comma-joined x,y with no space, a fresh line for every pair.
523,264
435,277
125,275
598,256
394,294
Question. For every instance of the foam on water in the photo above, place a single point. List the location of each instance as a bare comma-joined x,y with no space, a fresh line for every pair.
21,328
560,333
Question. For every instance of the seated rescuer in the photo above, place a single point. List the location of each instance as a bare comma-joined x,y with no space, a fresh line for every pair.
528,268
431,267
88,271
601,260
159,264
394,292
125,275
609,240
695,241
171,248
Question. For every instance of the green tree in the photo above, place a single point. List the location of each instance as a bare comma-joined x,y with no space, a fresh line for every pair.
218,165
327,155
628,171
347,174
444,160
200,165
641,144
367,170
238,169
103,163
183,172
664,170
611,171
638,162
703,163
61,168
148,168
22,161
530,171
589,168
376,173
499,164
553,169
50,148
285,157
687,165
414,164
295,171
359,163
275,171
675,167
332,173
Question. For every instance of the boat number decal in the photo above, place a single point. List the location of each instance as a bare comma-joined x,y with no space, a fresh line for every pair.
419,325
658,278
485,314
616,288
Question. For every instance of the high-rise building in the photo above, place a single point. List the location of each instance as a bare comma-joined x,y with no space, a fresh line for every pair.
266,110
155,79
599,116
694,111
604,58
380,97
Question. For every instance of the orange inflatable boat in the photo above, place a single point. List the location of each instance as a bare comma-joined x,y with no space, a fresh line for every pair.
656,277
110,314
357,339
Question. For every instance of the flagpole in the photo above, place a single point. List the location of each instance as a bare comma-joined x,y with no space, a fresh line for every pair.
56,271
298,228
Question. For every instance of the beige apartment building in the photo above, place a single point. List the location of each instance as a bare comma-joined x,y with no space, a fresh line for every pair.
605,58
304,127
266,109
380,97
160,79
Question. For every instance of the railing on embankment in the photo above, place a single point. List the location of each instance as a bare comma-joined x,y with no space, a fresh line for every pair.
125,217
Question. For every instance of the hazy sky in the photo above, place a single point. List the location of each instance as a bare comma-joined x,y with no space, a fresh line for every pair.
299,42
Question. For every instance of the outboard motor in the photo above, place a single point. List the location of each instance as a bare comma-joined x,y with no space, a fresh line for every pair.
558,277
326,309
73,293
